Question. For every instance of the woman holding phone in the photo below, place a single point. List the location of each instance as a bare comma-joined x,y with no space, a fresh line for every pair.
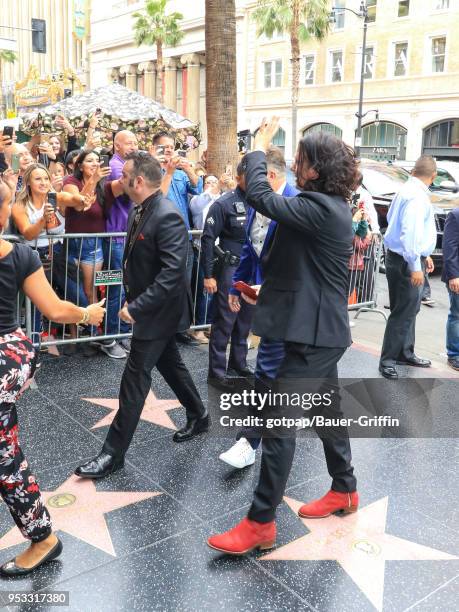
88,180
35,217
21,269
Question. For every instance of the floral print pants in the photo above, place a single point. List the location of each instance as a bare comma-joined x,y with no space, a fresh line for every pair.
18,486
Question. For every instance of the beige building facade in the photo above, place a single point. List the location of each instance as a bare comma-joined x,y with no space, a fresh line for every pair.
67,31
412,79
115,56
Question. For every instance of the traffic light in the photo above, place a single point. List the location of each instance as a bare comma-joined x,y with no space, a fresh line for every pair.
38,35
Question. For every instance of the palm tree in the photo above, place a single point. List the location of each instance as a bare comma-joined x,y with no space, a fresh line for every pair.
156,28
221,86
301,20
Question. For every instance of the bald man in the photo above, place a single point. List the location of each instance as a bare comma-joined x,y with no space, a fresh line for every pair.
125,142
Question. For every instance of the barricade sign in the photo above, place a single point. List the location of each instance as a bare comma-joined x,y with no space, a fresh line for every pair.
108,277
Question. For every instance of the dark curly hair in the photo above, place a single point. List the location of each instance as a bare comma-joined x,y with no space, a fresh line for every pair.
333,160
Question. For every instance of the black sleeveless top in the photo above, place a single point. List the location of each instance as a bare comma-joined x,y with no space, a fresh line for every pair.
15,267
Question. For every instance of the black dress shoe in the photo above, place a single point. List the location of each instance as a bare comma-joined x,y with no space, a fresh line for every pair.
99,467
192,428
184,338
242,372
11,570
223,384
389,372
416,362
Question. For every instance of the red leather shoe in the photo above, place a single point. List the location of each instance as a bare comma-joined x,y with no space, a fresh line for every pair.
245,537
332,502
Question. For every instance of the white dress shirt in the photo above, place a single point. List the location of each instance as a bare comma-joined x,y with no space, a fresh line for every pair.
411,231
260,227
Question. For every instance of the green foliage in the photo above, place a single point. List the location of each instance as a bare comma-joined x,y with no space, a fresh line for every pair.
8,56
154,26
276,17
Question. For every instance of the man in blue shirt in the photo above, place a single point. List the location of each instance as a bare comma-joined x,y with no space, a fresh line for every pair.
410,238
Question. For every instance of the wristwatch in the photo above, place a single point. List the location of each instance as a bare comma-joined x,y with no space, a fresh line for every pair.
85,319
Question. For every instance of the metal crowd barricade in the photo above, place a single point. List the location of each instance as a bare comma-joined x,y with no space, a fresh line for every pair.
67,274
363,267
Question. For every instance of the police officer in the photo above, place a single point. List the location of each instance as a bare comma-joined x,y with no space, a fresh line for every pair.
226,221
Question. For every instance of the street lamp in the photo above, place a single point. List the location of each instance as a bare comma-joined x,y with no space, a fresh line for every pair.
361,14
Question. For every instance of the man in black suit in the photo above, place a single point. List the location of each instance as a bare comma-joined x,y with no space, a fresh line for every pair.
302,301
154,276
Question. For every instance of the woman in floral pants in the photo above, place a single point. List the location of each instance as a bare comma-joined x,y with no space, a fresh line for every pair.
20,268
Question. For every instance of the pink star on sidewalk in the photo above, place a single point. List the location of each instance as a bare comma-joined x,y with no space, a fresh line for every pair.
154,410
359,543
77,508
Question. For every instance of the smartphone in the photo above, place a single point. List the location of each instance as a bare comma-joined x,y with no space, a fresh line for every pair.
159,150
52,199
104,161
44,139
181,153
15,161
246,289
8,130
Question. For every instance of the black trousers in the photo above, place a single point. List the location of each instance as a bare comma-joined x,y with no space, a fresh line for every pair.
228,325
301,361
136,383
405,303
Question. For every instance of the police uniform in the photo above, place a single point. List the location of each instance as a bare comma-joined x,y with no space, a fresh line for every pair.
226,221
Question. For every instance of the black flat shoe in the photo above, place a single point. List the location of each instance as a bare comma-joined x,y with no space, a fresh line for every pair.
193,428
99,467
416,362
11,570
389,372
184,338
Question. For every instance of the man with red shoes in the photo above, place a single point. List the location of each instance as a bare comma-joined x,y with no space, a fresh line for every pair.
303,302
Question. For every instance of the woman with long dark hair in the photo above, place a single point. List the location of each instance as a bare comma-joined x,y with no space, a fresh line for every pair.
88,180
21,269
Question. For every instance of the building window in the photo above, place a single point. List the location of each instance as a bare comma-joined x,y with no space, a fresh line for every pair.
179,84
279,139
443,134
324,127
400,58
339,14
309,69
336,65
371,7
369,63
272,74
438,54
404,8
140,84
441,5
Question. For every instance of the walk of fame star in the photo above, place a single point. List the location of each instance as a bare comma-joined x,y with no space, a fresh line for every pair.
77,508
359,543
154,410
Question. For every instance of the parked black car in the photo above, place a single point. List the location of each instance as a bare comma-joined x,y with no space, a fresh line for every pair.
383,181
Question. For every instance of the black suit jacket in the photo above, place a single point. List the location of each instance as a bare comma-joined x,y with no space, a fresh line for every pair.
154,272
451,247
304,296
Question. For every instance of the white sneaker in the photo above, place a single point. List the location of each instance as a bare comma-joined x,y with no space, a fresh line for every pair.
240,455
